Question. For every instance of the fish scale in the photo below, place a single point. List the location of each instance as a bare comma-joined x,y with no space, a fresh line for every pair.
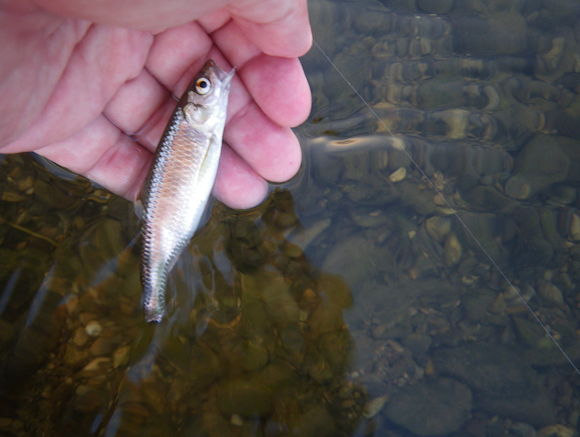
180,181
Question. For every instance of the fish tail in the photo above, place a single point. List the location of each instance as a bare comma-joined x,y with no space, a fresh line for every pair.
153,295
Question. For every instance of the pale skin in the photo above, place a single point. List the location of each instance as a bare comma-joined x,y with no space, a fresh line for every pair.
88,84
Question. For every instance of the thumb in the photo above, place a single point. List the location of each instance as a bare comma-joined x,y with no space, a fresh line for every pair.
277,27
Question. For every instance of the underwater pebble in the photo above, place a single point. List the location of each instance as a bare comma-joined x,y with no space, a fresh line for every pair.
374,406
121,356
71,304
575,227
453,250
556,431
439,200
26,183
237,420
398,175
98,364
551,293
436,408
73,357
540,164
93,328
562,194
85,318
80,336
522,429
302,237
102,346
244,398
499,306
438,227
365,219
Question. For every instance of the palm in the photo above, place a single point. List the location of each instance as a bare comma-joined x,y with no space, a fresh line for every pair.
84,86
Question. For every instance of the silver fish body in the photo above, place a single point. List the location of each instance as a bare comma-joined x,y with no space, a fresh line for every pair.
180,181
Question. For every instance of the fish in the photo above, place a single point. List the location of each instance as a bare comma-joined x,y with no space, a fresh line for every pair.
179,183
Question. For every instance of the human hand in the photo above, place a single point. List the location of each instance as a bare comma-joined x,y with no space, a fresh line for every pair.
77,77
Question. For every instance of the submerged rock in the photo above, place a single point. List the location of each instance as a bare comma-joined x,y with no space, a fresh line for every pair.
244,398
503,382
540,164
432,409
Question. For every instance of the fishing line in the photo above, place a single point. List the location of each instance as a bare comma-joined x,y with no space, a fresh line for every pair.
454,212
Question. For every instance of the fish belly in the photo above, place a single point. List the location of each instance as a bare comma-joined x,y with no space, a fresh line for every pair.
177,194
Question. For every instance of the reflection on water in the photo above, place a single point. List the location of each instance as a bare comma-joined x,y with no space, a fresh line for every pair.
353,301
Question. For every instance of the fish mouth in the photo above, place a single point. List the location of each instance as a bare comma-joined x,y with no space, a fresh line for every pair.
228,79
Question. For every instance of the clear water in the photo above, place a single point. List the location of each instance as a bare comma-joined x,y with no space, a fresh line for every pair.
353,301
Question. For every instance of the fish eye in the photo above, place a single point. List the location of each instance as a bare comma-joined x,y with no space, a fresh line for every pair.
202,86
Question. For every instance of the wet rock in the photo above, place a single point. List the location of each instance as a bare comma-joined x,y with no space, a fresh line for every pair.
453,250
398,175
52,196
540,164
272,289
37,339
562,194
486,198
487,230
93,328
80,337
500,34
302,237
432,409
503,382
255,355
522,429
438,227
550,293
100,364
375,19
532,249
353,62
354,259
75,357
440,93
85,406
418,344
556,431
575,227
316,422
368,217
420,200
533,334
121,356
435,6
103,346
244,398
374,406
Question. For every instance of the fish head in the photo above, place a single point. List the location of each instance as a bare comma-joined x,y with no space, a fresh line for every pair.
206,100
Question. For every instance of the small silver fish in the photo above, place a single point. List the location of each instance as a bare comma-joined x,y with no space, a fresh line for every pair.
180,180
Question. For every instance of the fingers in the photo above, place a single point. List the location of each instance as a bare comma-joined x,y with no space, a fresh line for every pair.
104,59
176,51
105,155
271,150
278,85
137,100
277,27
108,157
150,15
236,184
